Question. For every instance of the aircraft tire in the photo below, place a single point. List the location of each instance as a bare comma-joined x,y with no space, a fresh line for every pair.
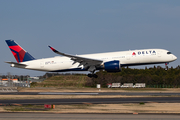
92,75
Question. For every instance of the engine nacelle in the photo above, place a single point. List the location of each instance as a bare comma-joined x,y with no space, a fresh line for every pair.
112,66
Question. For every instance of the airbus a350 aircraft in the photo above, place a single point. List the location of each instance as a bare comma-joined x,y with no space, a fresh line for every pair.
110,61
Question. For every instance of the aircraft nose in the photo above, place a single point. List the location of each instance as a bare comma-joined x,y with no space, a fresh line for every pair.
174,57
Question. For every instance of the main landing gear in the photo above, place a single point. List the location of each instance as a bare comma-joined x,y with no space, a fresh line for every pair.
92,75
92,69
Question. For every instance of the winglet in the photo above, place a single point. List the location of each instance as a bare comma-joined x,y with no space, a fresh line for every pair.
60,53
54,50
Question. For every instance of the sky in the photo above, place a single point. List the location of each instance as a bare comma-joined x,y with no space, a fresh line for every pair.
87,26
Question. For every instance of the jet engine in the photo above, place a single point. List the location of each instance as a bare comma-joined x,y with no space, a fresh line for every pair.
112,66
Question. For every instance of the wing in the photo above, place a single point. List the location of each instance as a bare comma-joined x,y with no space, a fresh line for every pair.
89,63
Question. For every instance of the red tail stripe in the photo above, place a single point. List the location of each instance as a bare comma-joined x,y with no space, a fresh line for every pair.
15,48
21,55
16,58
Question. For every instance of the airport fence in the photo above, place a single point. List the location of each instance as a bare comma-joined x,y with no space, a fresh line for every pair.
11,83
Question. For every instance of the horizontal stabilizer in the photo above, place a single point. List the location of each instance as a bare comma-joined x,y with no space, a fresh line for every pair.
14,64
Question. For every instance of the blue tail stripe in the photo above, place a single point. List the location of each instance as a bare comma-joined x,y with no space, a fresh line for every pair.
11,42
28,57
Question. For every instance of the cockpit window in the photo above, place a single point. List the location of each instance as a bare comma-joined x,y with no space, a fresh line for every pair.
169,53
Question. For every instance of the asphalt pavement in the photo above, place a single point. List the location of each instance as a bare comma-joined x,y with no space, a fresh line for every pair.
93,100
93,93
50,116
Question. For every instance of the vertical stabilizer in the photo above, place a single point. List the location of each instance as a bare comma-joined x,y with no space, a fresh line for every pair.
19,53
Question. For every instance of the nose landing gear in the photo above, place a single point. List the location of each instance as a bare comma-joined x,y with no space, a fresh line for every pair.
166,67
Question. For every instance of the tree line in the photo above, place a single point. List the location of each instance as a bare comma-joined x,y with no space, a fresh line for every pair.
151,76
158,76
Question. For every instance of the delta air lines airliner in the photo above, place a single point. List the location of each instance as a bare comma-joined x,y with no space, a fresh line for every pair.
110,61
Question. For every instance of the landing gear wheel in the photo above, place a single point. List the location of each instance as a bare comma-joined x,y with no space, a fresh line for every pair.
92,75
95,76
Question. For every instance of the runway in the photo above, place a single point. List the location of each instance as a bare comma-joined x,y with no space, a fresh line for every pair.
94,100
131,98
93,93
49,116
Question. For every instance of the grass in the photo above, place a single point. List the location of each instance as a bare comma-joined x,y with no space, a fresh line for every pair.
76,106
76,81
120,108
26,108
79,81
141,89
41,107
141,103
99,108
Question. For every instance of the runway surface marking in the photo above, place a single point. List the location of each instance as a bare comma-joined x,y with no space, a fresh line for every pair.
65,93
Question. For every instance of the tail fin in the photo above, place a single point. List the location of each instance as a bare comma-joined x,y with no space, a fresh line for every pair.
19,53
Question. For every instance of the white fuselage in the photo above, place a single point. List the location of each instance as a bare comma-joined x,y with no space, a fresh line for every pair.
126,58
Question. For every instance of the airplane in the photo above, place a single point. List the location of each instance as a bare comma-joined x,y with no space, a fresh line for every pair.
110,61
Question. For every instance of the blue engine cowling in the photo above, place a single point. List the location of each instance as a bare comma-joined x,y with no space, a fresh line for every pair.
112,66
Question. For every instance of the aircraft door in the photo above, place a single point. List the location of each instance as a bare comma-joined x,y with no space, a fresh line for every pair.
127,56
159,53
42,64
